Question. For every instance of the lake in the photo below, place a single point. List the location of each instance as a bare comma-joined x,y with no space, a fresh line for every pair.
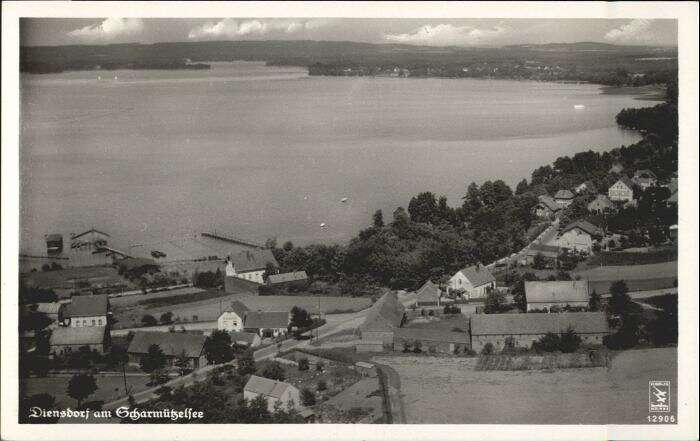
270,152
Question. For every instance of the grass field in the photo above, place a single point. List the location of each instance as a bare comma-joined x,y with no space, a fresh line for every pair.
630,272
621,258
108,388
208,310
614,395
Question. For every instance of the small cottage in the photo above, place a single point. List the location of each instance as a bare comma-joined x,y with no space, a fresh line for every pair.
600,204
473,281
622,190
428,295
251,264
88,310
267,324
273,391
542,295
382,319
233,317
564,198
644,179
65,340
173,345
546,207
579,236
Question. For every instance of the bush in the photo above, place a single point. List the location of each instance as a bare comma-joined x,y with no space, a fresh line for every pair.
451,309
417,345
274,371
148,320
569,341
166,318
303,364
321,386
547,343
308,398
488,349
319,366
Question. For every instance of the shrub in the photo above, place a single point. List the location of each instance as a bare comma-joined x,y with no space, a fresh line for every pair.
488,349
321,386
166,318
149,320
273,371
417,347
431,313
308,398
319,365
303,364
569,341
549,342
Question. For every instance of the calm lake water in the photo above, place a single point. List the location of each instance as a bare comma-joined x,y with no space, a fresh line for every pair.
270,152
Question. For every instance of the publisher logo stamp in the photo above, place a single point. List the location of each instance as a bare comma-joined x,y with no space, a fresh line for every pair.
659,396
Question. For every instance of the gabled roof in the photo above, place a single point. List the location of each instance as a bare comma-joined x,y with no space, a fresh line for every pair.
616,168
260,320
245,337
549,202
600,200
253,260
590,186
432,335
564,194
92,230
267,387
239,308
550,251
560,291
478,275
627,181
518,324
585,226
386,314
87,306
171,343
48,308
86,335
287,277
429,292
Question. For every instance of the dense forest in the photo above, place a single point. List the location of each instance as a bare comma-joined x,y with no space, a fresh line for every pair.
429,239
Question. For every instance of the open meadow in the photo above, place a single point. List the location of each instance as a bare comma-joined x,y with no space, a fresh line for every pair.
614,395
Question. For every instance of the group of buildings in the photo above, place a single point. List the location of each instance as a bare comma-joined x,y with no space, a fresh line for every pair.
384,328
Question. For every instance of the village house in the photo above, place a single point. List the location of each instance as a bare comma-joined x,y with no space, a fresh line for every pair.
251,264
645,179
88,310
549,252
267,324
428,295
273,391
564,198
233,317
173,344
382,319
50,310
431,340
297,278
248,339
66,340
546,207
543,296
473,281
526,329
587,187
579,236
600,204
622,190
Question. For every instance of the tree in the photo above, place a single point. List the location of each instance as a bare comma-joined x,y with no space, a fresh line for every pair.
308,398
521,187
488,349
423,208
166,318
42,401
539,262
153,360
550,342
378,219
217,347
301,319
182,362
594,302
321,385
620,302
148,320
569,341
273,371
270,269
246,363
303,364
81,386
495,302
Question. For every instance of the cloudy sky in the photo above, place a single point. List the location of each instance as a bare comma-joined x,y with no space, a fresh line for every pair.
434,32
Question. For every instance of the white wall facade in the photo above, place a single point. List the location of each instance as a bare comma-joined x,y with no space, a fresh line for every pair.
460,282
620,192
80,322
576,240
290,395
230,321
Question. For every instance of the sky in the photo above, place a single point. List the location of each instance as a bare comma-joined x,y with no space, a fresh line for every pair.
431,32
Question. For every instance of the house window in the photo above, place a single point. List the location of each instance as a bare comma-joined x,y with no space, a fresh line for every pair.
84,322
93,322
99,322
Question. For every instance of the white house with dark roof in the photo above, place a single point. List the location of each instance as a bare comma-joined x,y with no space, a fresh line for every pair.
600,204
296,277
546,207
267,324
85,311
541,295
579,236
233,317
622,190
528,328
473,281
645,179
250,264
273,391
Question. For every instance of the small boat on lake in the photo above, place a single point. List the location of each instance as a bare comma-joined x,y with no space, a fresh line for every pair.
344,200
323,225
579,106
